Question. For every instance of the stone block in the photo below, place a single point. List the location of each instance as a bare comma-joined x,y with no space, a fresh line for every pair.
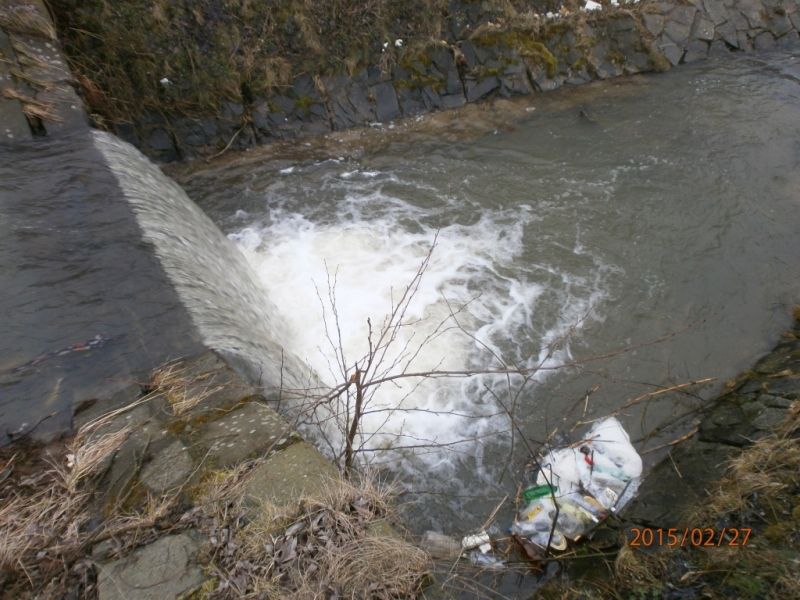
453,101
683,14
780,25
248,431
696,50
770,418
753,11
359,99
654,23
716,11
160,140
790,41
719,49
468,50
477,90
727,32
678,33
386,105
431,99
169,468
288,475
163,570
702,29
744,42
671,51
764,42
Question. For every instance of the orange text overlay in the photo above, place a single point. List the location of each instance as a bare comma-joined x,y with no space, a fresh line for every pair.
646,537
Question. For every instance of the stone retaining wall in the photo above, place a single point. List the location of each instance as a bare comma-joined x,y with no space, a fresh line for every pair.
493,62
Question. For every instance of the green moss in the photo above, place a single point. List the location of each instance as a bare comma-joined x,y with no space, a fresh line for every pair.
304,104
750,586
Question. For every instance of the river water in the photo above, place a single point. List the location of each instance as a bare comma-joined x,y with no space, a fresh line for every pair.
624,237
593,221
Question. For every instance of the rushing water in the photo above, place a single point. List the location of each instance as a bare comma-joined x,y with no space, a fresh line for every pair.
669,204
643,232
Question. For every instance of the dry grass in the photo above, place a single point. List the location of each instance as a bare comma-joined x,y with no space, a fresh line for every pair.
43,525
759,491
320,546
182,393
27,20
32,107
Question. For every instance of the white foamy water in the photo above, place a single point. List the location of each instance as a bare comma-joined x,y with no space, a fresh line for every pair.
333,277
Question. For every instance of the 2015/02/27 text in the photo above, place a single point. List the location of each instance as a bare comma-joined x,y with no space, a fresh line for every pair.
690,536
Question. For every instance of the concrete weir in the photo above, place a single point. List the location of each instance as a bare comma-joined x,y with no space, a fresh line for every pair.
177,286
151,257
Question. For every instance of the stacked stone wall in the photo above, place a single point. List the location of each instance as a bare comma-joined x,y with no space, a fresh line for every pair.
494,61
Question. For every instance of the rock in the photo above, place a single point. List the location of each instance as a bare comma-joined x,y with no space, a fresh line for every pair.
682,14
663,6
780,25
770,418
248,431
719,49
775,361
453,101
776,401
716,11
669,49
654,23
386,105
284,477
303,86
160,140
733,435
696,50
359,99
744,41
678,33
702,29
170,467
789,41
470,55
727,414
431,99
753,11
786,387
728,33
476,90
764,42
163,570
209,126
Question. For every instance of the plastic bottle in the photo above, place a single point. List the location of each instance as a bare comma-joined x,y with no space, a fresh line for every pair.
540,491
439,545
487,561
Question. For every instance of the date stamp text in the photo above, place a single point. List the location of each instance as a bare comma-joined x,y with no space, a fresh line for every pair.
647,537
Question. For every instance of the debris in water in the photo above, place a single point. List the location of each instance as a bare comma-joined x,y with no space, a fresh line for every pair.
577,487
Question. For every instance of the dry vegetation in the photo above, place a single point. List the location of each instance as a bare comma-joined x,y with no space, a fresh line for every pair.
326,545
53,513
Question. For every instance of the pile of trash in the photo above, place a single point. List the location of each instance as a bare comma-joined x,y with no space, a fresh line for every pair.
579,486
575,489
